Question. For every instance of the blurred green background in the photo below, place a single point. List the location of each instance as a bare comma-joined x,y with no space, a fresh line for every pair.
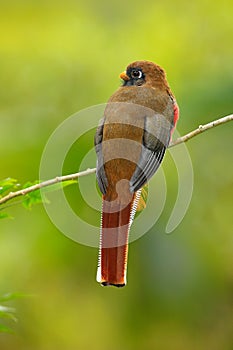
57,57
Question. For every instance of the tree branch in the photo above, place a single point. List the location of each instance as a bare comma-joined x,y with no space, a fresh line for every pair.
201,129
46,183
59,179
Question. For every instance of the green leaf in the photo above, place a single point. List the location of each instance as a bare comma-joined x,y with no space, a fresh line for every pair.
30,183
7,185
32,198
35,197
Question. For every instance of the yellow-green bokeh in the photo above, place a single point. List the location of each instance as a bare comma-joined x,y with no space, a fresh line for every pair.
57,57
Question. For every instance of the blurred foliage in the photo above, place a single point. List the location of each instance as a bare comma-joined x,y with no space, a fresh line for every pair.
7,312
58,57
29,199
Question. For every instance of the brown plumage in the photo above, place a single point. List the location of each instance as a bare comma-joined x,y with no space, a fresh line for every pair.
130,144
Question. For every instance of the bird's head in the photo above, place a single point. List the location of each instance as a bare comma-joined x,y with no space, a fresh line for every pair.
145,73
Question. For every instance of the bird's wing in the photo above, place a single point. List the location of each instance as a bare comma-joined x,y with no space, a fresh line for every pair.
100,172
156,137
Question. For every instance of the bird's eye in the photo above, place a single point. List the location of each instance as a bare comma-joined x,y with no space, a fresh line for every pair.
136,74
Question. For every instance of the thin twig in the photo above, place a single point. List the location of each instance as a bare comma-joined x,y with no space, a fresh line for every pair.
63,178
201,129
40,185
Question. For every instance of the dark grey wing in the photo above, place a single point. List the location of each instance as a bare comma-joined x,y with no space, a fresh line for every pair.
156,139
100,172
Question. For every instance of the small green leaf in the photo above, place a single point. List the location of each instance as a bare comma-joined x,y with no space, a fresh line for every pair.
30,183
7,185
35,197
32,198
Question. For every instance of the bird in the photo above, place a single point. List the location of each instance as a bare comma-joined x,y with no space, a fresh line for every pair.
130,143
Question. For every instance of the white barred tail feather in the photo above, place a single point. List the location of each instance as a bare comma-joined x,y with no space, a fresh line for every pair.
113,253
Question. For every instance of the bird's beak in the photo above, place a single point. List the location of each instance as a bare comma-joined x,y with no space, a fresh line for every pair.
124,76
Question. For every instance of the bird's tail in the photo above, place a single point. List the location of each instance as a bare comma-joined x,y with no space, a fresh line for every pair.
113,253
